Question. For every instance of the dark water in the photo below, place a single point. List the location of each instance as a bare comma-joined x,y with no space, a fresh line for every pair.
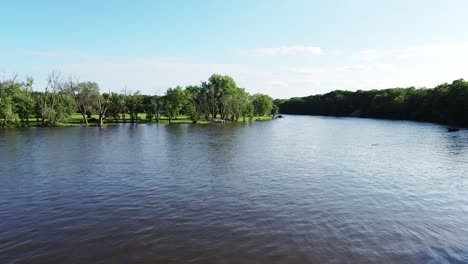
296,190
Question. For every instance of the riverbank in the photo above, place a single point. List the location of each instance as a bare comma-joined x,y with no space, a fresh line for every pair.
76,120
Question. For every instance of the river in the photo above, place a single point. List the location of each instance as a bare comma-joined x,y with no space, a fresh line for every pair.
301,189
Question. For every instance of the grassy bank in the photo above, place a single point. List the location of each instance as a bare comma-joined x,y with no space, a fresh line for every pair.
77,120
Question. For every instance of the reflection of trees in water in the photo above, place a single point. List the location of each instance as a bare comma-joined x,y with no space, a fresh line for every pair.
211,148
456,142
8,138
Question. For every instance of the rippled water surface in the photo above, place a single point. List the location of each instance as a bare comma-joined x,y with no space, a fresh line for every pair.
293,190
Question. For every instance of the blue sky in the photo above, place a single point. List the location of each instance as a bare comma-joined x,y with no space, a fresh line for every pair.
282,48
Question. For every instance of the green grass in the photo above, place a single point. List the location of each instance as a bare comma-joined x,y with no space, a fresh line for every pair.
77,120
262,118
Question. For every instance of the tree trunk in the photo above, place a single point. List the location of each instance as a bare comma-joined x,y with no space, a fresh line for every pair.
101,120
85,118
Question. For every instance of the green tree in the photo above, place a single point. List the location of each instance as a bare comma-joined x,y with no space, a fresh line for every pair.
46,101
86,95
274,111
133,104
223,86
64,106
7,105
107,106
196,103
175,99
23,103
262,104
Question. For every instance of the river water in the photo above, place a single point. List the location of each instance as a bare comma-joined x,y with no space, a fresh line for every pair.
296,190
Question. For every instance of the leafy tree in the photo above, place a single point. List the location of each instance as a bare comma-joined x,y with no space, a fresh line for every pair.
262,104
107,106
64,106
211,100
133,104
86,95
47,100
23,99
274,110
7,105
196,102
175,99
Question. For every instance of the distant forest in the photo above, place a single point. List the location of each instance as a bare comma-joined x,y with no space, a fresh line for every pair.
445,104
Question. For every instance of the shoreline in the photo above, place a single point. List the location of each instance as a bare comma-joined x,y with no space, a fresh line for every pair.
75,121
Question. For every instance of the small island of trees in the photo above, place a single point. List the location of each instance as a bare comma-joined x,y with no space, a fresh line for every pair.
68,102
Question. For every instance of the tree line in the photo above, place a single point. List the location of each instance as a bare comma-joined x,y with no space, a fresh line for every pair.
217,98
446,104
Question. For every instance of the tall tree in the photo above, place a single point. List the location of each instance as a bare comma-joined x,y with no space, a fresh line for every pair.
48,99
262,104
86,96
223,86
133,104
24,100
196,104
107,105
8,90
175,99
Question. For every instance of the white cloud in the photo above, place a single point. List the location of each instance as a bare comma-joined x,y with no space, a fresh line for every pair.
322,71
308,82
298,50
426,51
57,54
369,67
303,71
308,71
279,84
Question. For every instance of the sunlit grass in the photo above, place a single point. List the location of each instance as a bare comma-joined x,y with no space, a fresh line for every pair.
76,119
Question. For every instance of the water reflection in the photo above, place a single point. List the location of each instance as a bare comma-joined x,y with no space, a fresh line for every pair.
456,143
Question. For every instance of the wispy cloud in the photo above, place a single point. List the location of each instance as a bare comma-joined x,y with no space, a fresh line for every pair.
298,50
428,51
307,71
369,67
308,82
321,71
279,84
62,54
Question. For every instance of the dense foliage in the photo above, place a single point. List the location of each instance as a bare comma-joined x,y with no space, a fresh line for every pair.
219,97
446,103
